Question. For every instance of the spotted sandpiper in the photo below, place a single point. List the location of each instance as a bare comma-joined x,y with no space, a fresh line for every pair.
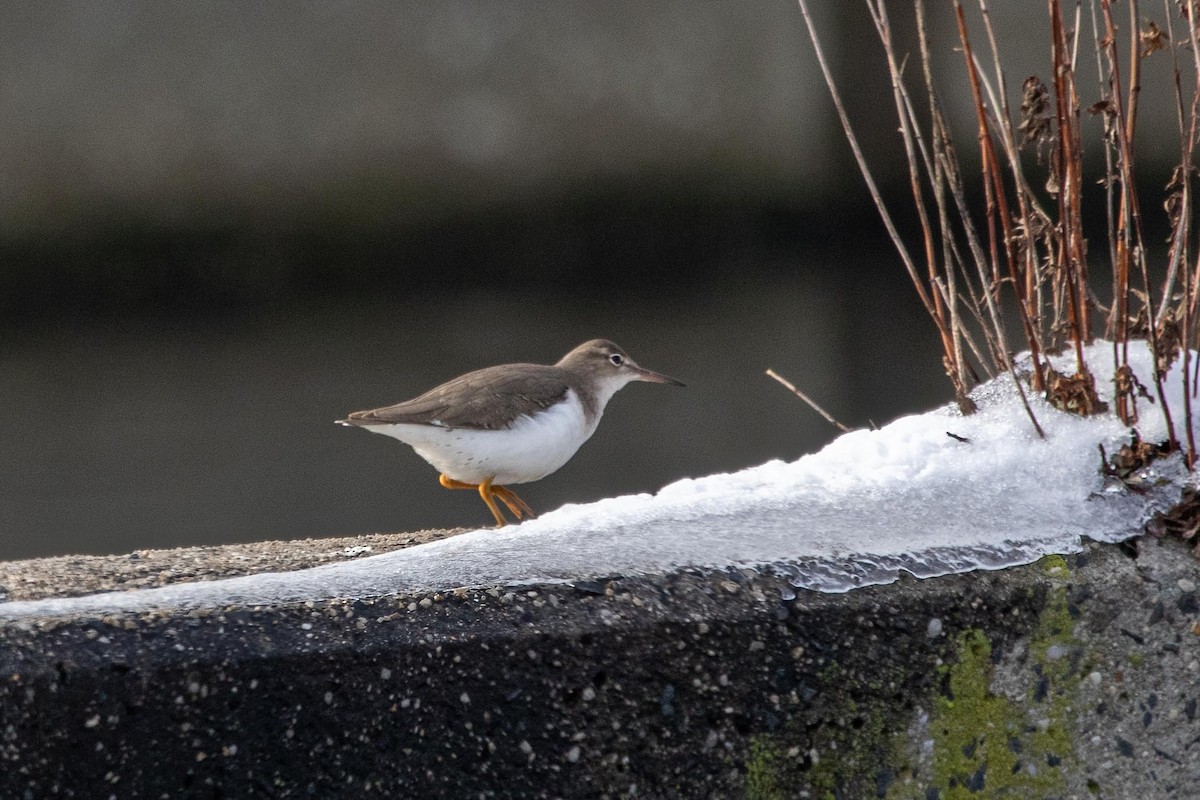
514,423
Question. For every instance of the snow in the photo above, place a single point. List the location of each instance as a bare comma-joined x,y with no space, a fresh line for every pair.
870,505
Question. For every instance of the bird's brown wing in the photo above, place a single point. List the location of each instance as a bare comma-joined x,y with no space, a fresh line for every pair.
487,399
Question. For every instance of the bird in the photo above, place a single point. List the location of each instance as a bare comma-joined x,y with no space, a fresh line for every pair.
509,424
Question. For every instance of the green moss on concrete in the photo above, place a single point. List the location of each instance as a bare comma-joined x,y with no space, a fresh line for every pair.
990,746
1012,742
1054,653
763,779
1054,565
972,728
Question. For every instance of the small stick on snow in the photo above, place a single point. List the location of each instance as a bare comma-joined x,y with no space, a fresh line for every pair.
772,373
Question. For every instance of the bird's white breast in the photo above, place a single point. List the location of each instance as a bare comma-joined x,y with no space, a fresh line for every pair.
531,449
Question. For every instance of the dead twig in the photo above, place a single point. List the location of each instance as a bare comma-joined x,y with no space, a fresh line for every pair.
789,385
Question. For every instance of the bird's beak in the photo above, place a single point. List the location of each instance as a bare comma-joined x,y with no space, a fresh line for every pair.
650,375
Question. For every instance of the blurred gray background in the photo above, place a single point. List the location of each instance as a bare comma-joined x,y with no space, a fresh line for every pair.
223,226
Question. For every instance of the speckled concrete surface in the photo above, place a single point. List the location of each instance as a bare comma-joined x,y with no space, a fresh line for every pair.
69,576
1074,677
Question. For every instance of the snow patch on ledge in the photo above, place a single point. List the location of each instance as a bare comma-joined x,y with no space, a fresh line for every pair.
908,497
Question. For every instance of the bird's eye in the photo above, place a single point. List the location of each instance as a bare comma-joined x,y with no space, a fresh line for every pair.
617,359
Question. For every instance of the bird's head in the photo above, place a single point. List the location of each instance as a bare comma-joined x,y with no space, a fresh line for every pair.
610,366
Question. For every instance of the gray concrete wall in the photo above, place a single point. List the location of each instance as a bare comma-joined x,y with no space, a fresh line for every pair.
1073,677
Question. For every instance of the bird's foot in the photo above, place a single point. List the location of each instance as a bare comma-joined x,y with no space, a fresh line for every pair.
486,491
519,508
515,505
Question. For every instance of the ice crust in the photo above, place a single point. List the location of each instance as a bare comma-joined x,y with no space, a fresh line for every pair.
908,497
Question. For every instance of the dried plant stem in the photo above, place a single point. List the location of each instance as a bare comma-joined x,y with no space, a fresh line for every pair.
1135,71
1129,224
947,177
1181,228
1191,291
789,385
945,329
952,300
951,259
998,215
946,314
1031,213
956,191
1126,401
1068,165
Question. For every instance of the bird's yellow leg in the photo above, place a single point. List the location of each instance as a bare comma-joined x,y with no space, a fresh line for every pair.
489,496
449,483
486,491
519,508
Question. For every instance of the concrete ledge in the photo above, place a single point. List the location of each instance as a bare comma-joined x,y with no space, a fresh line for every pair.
1075,677
72,576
